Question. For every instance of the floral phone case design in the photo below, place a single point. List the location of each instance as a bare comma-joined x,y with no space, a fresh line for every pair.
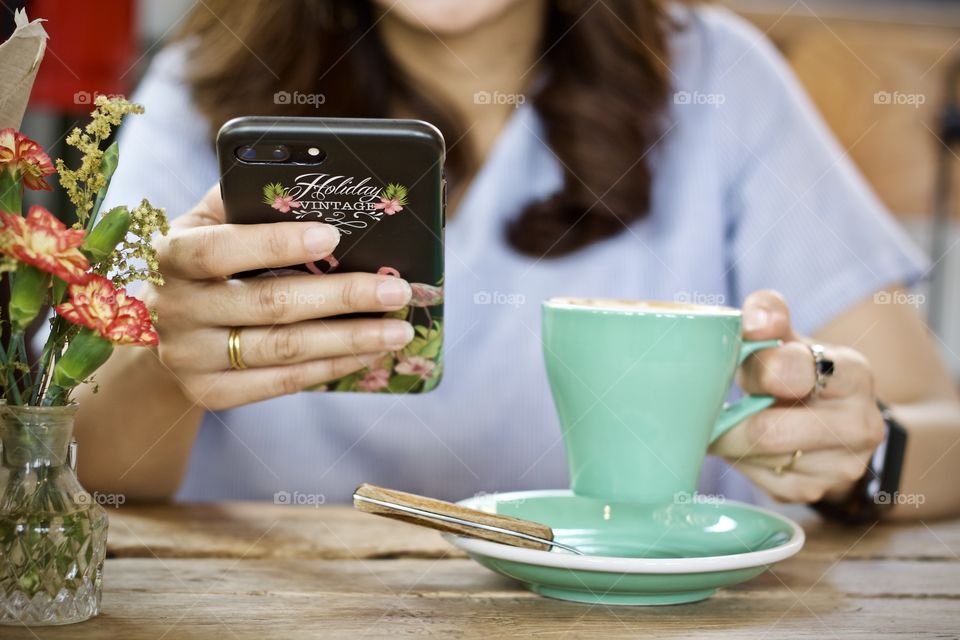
380,182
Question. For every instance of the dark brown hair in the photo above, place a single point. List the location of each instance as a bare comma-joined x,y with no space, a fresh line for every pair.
605,88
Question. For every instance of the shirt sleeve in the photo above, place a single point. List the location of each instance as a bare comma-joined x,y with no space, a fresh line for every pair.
166,153
801,219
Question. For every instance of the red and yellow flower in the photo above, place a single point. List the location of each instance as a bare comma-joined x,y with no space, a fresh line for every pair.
43,241
109,312
24,158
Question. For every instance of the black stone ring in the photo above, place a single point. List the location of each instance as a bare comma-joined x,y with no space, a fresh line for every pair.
822,367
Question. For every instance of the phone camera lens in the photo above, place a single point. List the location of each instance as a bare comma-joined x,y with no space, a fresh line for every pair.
279,153
247,153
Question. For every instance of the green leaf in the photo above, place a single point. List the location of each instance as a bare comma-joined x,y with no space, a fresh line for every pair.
59,290
432,348
427,343
348,382
110,161
435,329
415,346
397,192
108,165
272,191
403,384
435,376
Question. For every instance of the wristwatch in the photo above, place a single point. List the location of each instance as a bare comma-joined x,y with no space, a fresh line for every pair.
877,491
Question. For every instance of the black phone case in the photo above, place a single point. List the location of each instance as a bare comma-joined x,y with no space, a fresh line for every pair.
381,183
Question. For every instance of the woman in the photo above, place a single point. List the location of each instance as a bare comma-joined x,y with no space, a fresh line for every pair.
627,150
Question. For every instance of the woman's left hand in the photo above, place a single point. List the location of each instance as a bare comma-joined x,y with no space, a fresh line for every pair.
807,446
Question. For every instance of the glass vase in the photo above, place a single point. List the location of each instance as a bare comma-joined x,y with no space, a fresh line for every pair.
53,535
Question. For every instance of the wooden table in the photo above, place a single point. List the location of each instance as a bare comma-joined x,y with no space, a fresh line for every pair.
249,570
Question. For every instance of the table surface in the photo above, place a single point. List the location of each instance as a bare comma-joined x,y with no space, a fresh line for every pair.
934,13
254,570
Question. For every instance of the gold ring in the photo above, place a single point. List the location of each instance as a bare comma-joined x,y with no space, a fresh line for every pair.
233,349
780,469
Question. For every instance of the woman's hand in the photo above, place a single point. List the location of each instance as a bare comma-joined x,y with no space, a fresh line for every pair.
836,430
287,342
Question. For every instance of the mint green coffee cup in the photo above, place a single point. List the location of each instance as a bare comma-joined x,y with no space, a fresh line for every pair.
639,388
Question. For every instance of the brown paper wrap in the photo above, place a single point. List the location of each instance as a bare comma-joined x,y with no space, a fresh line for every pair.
20,57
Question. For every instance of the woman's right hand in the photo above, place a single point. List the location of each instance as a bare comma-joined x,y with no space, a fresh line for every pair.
288,340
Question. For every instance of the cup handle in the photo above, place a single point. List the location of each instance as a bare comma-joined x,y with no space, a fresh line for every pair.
733,414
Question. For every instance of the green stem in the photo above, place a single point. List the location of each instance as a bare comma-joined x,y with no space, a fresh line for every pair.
92,220
55,395
42,376
50,349
59,328
27,375
12,386
8,372
11,192
22,356
429,319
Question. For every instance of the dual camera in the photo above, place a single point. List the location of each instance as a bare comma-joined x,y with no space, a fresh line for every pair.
278,153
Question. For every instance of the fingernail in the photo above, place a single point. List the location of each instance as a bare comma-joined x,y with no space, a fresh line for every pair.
397,335
755,318
320,239
393,292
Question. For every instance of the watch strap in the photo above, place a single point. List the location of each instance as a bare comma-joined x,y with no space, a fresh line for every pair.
875,492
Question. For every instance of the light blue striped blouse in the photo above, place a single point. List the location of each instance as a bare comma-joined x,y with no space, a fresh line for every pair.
750,192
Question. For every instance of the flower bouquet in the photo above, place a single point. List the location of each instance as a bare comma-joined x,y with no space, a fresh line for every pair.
52,533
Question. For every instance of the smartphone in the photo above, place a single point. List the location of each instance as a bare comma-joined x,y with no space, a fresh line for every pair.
381,183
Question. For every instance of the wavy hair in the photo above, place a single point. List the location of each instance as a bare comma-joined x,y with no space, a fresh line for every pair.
605,88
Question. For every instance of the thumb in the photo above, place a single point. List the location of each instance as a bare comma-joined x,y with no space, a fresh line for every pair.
766,317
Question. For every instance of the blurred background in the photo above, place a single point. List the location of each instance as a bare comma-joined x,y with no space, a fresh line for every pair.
885,74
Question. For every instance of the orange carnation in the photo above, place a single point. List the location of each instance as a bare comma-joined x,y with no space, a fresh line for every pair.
23,157
110,312
43,241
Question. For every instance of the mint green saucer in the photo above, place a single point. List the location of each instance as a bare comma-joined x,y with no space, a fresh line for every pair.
637,554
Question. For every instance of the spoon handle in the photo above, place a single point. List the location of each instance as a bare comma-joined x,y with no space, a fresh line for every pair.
453,518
